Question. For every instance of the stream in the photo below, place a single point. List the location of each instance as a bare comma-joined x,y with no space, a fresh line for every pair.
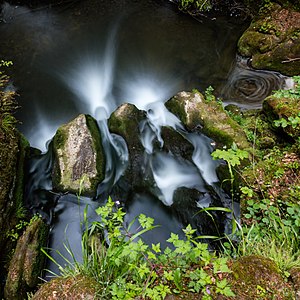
92,56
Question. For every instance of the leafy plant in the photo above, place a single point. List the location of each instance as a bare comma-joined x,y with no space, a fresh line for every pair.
125,267
292,121
200,5
209,96
16,232
290,93
232,156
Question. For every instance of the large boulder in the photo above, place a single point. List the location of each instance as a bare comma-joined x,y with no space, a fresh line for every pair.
28,261
273,40
196,113
79,159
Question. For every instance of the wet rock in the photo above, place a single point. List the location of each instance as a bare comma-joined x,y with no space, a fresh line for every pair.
273,40
77,287
125,121
257,277
28,261
79,159
209,117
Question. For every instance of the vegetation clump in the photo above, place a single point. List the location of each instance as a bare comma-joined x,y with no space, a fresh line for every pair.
269,189
124,267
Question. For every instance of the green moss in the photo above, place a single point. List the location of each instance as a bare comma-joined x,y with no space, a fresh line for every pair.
60,138
97,143
178,110
33,268
256,277
272,40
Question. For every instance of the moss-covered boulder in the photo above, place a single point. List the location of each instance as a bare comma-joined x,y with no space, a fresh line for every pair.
208,116
79,159
273,40
28,261
256,277
77,287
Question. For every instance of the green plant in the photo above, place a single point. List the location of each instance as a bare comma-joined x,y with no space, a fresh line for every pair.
125,267
3,76
16,232
209,96
290,93
200,5
265,27
232,156
292,121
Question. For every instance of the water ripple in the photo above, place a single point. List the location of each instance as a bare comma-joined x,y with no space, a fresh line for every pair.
247,87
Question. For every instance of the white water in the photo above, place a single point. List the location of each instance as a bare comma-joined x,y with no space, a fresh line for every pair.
171,173
93,80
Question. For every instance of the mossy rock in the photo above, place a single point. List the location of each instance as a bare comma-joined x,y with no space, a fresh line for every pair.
28,261
126,121
276,108
77,287
79,157
273,40
257,277
209,117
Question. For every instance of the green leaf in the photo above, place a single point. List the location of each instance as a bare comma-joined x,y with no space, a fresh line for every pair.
156,248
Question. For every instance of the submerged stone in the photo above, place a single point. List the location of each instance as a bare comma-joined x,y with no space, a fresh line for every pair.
28,261
79,159
273,40
209,117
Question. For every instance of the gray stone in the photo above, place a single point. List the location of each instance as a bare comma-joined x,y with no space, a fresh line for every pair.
79,159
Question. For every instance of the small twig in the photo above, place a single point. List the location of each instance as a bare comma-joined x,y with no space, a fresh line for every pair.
290,60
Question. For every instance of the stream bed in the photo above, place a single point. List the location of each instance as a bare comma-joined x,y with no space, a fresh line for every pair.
74,58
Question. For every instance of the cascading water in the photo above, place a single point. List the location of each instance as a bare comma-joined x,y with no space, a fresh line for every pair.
153,54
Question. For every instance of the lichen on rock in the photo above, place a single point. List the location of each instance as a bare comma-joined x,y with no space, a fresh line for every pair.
79,159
